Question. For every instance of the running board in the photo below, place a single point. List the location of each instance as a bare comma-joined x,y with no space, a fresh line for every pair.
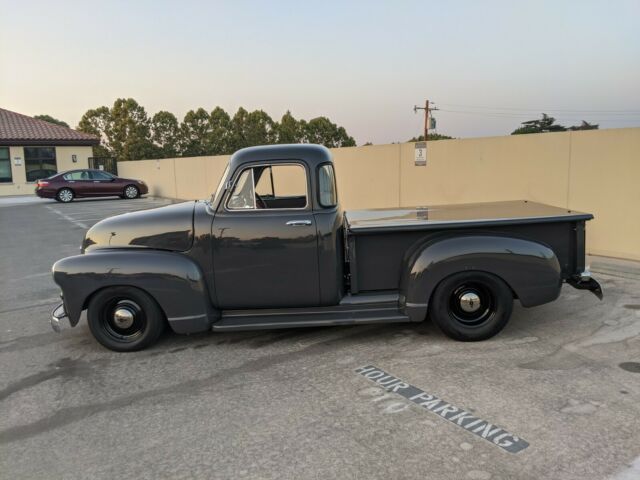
297,317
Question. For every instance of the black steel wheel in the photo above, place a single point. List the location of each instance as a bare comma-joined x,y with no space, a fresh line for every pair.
125,319
471,306
65,195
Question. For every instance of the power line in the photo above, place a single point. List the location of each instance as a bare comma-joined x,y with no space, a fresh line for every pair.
526,109
530,115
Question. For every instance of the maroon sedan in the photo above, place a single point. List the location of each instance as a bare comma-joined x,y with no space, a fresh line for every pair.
66,186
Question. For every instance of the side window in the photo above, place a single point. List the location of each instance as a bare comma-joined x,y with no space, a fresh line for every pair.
96,175
243,197
280,186
80,175
328,195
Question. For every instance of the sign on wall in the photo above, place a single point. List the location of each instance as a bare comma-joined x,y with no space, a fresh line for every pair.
421,154
17,161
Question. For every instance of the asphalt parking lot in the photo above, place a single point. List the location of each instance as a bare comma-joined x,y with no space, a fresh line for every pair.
564,377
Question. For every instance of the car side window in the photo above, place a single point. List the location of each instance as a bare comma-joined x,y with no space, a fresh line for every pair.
76,176
100,176
265,187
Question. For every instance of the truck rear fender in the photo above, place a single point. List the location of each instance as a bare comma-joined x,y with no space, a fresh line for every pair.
531,269
174,280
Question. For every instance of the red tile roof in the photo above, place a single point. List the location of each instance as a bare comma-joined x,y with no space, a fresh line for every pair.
18,129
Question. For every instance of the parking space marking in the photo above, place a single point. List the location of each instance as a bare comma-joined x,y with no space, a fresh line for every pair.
481,428
68,218
82,216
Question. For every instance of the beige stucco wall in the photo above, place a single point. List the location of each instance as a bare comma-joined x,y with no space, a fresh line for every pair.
64,161
593,171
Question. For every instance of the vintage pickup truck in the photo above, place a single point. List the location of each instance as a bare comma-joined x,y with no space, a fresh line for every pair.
273,249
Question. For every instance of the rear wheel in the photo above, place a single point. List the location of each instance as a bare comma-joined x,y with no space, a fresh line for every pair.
125,319
64,195
131,191
471,306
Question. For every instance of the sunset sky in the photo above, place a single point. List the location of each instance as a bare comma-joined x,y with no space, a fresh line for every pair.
487,65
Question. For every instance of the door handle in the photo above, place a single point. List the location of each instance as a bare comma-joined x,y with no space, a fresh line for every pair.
298,223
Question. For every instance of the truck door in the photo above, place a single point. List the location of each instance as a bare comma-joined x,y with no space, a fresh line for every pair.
264,240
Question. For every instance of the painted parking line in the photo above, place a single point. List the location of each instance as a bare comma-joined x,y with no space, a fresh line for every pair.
67,217
93,212
496,435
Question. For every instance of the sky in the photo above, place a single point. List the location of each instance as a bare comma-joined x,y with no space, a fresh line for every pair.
486,65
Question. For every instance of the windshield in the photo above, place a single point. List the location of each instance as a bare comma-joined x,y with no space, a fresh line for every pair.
216,196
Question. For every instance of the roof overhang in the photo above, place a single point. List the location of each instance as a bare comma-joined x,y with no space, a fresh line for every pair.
48,143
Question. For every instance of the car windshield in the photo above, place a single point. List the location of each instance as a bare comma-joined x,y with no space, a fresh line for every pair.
216,196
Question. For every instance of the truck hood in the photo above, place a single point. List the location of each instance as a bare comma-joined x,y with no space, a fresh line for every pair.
164,228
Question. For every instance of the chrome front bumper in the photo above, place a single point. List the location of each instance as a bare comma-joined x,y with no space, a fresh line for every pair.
57,315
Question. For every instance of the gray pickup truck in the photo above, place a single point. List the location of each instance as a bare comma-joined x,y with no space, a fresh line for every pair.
273,249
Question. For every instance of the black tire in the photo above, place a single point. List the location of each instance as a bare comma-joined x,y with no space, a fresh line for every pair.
146,326
65,195
471,306
130,192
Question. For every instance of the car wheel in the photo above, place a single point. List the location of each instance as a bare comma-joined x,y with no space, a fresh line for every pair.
125,319
131,191
471,306
65,195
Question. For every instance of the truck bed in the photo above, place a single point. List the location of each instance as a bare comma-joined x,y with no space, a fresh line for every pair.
378,239
464,215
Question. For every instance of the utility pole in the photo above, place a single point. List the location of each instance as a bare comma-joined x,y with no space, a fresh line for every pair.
427,113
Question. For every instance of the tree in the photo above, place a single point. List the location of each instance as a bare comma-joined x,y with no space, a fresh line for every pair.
324,132
50,119
165,134
585,126
542,125
130,136
127,133
259,129
195,130
237,138
98,122
289,129
218,140
432,136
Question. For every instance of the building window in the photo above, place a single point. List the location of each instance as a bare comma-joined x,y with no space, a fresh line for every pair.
5,165
40,162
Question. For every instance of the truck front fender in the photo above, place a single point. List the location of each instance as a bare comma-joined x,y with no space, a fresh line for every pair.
174,280
531,269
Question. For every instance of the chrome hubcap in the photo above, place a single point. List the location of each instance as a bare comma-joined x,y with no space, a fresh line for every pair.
123,317
65,196
470,302
131,192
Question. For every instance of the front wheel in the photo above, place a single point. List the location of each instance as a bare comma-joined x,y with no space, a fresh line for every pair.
131,191
125,319
471,306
